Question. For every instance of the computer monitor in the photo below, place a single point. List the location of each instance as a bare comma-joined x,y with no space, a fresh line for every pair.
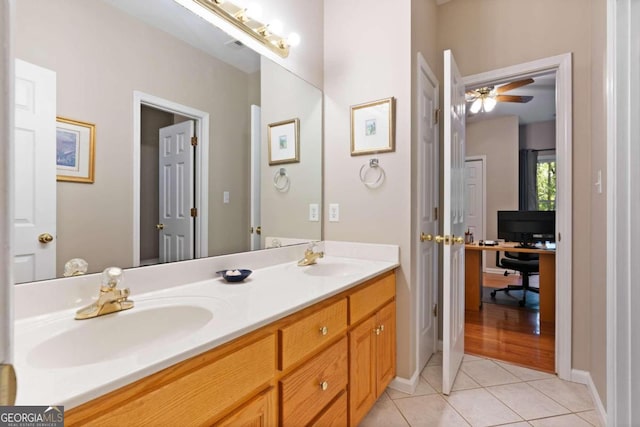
527,227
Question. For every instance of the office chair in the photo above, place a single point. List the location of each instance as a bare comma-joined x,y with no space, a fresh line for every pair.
527,264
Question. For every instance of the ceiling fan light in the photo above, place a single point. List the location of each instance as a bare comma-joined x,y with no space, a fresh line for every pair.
475,107
489,104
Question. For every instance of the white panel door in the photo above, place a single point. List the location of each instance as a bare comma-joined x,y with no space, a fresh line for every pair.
475,199
428,195
454,222
35,172
256,142
176,192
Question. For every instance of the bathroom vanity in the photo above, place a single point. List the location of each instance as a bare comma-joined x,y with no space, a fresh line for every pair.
292,345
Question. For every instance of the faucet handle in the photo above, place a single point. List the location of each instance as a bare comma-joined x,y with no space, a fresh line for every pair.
111,277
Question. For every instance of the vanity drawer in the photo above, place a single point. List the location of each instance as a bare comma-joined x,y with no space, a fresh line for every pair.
306,335
335,415
370,298
203,393
313,386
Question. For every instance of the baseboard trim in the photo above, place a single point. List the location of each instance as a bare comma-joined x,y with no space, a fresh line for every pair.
584,377
405,385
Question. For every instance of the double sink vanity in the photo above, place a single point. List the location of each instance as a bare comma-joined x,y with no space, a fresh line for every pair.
291,345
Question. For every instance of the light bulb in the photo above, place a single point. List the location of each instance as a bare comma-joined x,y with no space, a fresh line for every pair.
475,107
275,27
293,39
254,11
489,104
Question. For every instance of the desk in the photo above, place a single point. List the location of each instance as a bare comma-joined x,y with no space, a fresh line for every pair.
473,277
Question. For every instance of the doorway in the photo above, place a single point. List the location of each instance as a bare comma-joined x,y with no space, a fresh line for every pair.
561,66
161,110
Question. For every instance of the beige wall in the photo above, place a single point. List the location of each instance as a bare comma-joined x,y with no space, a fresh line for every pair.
367,52
99,63
522,31
497,139
538,136
284,97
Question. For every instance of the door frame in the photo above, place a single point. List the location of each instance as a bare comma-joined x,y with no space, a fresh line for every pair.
201,165
423,65
482,158
561,64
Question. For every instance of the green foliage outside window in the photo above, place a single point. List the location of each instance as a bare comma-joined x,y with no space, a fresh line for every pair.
546,185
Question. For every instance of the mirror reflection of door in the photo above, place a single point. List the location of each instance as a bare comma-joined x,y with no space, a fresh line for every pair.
166,187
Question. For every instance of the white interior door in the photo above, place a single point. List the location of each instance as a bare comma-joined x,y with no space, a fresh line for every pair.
474,185
454,222
256,141
35,173
428,194
176,192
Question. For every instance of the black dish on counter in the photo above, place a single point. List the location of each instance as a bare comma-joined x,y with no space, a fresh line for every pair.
234,275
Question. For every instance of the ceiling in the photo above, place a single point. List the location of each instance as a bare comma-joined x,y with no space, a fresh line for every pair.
541,108
169,16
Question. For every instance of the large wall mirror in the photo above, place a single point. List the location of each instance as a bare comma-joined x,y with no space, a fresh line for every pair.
146,75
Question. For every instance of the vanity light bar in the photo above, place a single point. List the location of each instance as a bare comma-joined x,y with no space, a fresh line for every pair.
238,17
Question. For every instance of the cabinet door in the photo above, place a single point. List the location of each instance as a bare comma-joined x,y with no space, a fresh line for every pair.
386,347
259,412
362,374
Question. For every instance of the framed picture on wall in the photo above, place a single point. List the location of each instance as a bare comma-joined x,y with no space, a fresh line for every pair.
284,142
75,150
372,127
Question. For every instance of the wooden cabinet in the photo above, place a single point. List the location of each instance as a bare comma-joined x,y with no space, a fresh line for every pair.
372,349
322,366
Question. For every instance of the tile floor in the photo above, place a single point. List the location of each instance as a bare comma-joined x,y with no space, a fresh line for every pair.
487,392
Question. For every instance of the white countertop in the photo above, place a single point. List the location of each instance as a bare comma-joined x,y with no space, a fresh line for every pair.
55,355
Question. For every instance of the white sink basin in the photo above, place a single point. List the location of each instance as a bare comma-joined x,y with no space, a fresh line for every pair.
333,269
119,334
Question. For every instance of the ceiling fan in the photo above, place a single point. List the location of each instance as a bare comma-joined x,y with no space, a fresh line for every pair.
486,98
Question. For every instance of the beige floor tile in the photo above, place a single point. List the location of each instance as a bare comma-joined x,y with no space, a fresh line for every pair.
471,357
422,389
591,417
464,382
384,414
429,411
433,375
520,424
525,374
526,401
572,396
570,420
487,373
481,408
436,359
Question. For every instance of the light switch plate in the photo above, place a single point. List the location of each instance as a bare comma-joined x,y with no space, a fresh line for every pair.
334,212
225,197
314,212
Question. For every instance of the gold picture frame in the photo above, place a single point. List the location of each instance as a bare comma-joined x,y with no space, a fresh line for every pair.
373,127
284,142
75,150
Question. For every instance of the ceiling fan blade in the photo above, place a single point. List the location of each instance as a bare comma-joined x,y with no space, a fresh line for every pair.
513,85
513,98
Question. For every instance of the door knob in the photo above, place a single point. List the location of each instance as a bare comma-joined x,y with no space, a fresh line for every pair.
159,227
459,240
259,230
439,239
45,238
425,237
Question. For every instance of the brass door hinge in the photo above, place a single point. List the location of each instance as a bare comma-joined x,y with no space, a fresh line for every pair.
194,140
436,116
435,310
435,214
194,212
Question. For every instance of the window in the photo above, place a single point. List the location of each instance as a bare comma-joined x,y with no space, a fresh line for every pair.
546,183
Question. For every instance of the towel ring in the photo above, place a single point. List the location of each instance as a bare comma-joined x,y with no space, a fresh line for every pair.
281,180
375,166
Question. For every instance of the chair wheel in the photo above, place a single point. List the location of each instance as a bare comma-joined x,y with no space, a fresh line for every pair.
506,273
506,291
493,294
521,303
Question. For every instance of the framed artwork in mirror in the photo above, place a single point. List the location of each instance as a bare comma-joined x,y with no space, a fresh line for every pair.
373,127
284,142
75,150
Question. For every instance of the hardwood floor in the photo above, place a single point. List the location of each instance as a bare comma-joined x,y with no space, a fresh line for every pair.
510,333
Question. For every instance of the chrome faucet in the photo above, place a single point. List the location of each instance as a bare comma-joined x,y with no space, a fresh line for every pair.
110,298
310,256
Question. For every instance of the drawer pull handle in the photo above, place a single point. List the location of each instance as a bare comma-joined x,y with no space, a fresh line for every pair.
324,385
381,327
377,331
324,330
